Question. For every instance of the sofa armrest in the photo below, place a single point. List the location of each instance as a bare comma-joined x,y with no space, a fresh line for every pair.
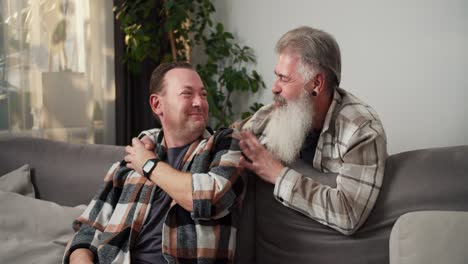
430,237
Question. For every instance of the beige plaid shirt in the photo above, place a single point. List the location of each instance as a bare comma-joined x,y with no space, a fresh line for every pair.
352,144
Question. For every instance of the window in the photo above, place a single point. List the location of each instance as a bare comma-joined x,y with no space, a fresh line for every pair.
57,70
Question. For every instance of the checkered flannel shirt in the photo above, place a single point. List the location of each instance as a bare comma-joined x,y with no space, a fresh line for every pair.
111,223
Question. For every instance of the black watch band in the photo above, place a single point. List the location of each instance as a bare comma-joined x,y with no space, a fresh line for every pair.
149,166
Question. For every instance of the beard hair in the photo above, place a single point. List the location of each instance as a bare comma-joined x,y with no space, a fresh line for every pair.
288,127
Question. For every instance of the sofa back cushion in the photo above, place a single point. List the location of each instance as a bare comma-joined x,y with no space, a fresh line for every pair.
431,179
68,174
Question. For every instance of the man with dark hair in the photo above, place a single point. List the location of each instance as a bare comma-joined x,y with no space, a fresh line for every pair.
329,130
177,204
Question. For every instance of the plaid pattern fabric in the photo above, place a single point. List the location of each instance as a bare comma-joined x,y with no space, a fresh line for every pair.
352,144
111,223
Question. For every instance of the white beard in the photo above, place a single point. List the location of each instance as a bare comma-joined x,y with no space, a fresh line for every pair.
288,127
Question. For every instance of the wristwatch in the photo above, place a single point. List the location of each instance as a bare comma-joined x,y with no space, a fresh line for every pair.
149,166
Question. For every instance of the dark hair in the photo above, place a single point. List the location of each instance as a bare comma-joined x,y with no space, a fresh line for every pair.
157,77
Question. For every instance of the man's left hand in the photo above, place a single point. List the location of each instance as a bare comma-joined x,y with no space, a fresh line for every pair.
258,159
137,155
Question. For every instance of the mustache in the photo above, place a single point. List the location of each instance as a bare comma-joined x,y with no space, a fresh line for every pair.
279,99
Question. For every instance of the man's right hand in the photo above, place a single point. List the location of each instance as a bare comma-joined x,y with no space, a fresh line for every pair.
82,256
258,159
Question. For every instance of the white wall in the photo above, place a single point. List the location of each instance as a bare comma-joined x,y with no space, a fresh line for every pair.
407,59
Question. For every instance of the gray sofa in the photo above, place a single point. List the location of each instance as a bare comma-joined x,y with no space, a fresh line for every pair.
430,180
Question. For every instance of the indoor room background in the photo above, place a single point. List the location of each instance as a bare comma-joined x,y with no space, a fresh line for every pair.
407,59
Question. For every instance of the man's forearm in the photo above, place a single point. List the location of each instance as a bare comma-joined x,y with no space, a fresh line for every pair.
81,256
177,184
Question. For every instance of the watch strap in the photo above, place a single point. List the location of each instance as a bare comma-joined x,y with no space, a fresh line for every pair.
147,171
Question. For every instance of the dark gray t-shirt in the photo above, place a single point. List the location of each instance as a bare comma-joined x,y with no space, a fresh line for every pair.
307,152
147,249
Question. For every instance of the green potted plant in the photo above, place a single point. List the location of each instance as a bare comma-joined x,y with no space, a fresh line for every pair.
185,26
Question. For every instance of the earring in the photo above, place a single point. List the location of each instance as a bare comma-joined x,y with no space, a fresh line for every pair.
314,92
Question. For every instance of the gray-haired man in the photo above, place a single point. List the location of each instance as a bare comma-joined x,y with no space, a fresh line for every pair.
313,122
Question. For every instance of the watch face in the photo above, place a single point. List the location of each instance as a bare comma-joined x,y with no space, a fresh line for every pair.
148,165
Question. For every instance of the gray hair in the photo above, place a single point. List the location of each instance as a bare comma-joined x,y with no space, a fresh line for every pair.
317,51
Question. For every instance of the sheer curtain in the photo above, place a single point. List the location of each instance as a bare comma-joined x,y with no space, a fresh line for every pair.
57,69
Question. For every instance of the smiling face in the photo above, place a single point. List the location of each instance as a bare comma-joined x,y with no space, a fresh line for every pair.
182,106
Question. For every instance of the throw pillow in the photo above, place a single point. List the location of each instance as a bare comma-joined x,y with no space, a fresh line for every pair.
18,181
33,230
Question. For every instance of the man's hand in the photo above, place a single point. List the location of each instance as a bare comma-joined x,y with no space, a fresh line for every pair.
138,154
149,144
82,256
260,161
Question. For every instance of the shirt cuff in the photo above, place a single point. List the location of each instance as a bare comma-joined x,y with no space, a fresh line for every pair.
285,184
151,133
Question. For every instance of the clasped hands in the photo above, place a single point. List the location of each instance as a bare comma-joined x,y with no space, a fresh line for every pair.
138,153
